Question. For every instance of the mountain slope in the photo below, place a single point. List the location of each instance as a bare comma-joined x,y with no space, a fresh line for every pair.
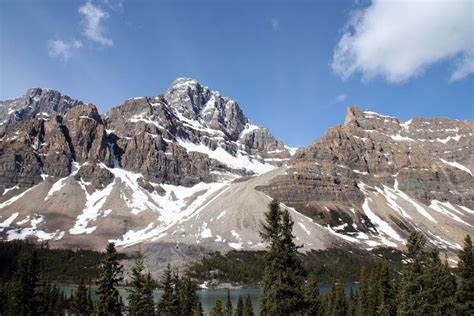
79,179
186,172
374,179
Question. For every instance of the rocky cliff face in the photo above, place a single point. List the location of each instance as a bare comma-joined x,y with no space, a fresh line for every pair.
81,178
375,175
36,103
186,172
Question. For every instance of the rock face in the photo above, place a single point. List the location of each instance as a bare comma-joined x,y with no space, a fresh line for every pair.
36,103
373,162
81,178
189,172
188,135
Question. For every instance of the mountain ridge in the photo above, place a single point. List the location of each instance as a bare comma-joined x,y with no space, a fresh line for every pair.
186,172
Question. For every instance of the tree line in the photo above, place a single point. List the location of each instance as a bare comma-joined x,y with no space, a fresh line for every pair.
425,285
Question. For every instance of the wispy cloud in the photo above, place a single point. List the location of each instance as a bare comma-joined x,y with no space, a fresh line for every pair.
115,5
399,40
341,98
93,17
63,50
275,24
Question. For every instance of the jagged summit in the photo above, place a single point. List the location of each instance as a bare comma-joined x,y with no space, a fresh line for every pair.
186,172
36,102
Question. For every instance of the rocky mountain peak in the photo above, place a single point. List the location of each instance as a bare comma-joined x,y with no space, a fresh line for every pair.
35,103
188,98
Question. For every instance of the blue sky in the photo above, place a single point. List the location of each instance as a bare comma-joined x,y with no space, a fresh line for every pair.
293,66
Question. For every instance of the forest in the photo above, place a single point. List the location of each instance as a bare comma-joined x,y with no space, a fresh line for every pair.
423,285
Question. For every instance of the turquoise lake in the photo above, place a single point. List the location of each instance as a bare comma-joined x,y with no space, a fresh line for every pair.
208,297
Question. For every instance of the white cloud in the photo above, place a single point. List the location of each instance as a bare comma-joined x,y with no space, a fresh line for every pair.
92,19
400,39
63,50
341,98
275,24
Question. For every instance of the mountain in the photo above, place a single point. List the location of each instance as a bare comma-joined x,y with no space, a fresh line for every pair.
375,179
186,172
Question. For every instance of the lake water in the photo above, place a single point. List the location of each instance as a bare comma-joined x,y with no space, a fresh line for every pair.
208,297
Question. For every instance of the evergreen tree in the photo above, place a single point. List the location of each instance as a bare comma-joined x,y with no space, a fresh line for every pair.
3,298
217,309
282,292
465,291
90,302
311,295
148,305
338,301
24,299
110,302
350,303
188,296
384,291
80,301
248,308
166,305
197,309
136,292
411,283
239,311
439,287
325,305
228,305
362,294
176,293
49,300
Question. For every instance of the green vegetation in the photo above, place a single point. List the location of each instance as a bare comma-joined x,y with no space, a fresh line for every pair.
283,274
423,285
246,267
57,265
110,301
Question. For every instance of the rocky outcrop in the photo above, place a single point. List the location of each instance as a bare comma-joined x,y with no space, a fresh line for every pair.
186,136
36,103
187,168
427,160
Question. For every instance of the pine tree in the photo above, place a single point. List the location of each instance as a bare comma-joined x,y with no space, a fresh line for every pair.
248,308
439,287
325,305
411,283
136,292
148,305
3,298
110,302
188,296
239,311
465,291
384,291
24,300
228,305
217,309
166,303
176,293
282,281
338,301
311,295
80,301
197,309
362,294
350,303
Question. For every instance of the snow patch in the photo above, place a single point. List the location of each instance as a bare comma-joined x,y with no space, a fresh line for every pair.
456,165
91,211
238,161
